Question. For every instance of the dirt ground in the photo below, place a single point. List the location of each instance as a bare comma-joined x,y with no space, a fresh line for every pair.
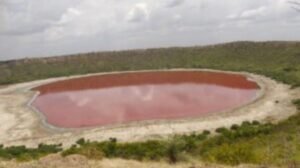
77,161
22,125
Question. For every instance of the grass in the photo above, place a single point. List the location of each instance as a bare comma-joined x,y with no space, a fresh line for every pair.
250,142
225,148
278,60
154,150
22,153
297,103
268,144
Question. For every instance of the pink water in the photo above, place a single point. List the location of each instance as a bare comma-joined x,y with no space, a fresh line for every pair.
123,98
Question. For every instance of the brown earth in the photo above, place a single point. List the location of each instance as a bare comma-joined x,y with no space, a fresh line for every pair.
77,161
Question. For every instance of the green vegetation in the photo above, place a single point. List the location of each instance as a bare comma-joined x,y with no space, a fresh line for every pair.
21,153
297,103
250,142
256,143
171,150
279,60
244,144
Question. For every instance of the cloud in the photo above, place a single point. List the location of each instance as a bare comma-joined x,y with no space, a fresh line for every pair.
90,17
295,5
25,29
43,28
22,17
174,3
251,13
138,13
69,16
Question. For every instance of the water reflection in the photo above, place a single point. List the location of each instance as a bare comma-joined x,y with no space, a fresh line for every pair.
141,96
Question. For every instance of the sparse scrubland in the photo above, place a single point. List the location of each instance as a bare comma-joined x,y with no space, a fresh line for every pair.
279,60
22,153
178,147
251,142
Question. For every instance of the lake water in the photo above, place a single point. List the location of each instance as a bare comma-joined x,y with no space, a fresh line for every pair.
127,97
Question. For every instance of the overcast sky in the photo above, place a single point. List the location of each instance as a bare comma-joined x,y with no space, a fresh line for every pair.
35,28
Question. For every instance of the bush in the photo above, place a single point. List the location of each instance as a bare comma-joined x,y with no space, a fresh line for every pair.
109,148
246,123
23,154
149,150
234,127
15,151
172,152
178,146
221,130
80,141
91,152
255,122
297,103
206,132
70,151
232,154
43,148
237,133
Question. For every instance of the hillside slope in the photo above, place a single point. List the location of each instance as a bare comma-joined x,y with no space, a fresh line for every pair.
278,146
280,60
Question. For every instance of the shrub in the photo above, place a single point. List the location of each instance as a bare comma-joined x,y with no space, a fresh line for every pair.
246,123
91,152
154,150
70,151
109,147
88,149
297,103
80,141
206,132
23,154
221,130
24,157
255,122
172,152
232,154
43,148
234,127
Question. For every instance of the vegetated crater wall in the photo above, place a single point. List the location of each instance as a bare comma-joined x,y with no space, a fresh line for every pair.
21,125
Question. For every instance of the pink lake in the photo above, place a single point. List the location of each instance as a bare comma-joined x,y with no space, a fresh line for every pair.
127,97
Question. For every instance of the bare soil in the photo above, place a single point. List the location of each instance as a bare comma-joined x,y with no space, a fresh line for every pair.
77,161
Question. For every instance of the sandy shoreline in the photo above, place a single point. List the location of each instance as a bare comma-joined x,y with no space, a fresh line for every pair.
21,125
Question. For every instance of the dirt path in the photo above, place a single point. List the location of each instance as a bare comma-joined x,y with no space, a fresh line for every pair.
21,125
